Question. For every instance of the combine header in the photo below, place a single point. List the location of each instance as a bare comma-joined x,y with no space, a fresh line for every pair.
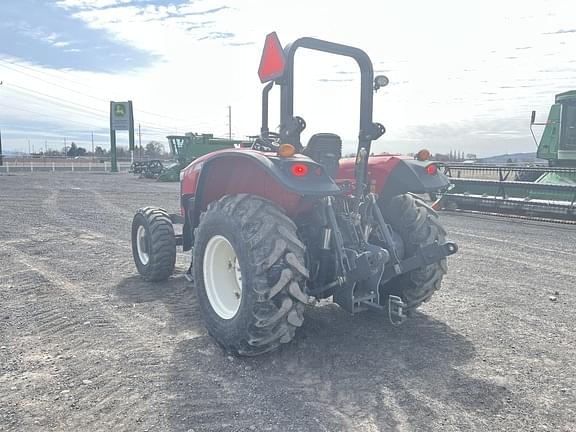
527,191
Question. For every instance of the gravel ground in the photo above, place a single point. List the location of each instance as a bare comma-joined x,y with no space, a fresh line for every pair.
86,345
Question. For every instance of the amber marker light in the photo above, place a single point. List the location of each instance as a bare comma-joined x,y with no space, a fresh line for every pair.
423,155
286,150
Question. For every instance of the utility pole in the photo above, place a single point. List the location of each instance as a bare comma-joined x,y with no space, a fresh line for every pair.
45,147
29,151
230,122
92,137
65,149
1,156
140,140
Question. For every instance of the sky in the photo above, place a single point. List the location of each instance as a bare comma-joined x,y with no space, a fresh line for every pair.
464,75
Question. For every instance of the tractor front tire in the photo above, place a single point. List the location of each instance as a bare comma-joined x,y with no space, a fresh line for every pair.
418,226
153,244
250,274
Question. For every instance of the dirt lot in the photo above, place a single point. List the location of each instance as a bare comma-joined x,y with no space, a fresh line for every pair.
86,345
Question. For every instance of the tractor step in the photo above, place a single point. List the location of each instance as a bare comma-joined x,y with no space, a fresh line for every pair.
396,310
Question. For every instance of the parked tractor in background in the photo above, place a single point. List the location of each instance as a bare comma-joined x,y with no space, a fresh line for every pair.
183,149
281,225
190,146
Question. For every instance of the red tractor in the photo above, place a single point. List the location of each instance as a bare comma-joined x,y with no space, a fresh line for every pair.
280,225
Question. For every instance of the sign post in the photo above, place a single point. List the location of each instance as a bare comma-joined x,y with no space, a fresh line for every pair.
121,118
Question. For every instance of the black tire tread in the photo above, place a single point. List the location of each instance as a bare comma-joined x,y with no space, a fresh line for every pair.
280,271
418,225
162,242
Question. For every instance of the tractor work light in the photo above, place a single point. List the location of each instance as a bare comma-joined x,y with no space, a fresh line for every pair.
286,150
299,170
432,169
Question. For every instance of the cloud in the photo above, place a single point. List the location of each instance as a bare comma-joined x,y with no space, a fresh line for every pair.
237,44
335,80
481,136
125,20
217,35
42,33
561,32
207,12
111,4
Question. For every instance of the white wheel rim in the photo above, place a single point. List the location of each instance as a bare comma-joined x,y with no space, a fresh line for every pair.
141,245
222,277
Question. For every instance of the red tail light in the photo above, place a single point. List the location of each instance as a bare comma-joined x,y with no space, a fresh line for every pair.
299,170
432,169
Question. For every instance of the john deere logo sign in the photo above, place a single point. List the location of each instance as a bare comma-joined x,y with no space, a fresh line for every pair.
119,110
120,115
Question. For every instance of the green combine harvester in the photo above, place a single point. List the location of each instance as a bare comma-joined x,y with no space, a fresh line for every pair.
558,142
184,149
541,191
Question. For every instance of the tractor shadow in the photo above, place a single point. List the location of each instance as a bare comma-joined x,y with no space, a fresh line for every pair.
176,294
340,372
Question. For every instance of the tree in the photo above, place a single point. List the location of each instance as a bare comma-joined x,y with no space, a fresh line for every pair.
122,152
80,151
72,150
154,150
99,151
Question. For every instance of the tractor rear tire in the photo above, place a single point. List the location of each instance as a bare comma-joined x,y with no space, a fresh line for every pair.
153,244
250,274
417,225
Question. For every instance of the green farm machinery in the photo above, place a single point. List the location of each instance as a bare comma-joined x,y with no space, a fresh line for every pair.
558,143
533,191
188,147
184,149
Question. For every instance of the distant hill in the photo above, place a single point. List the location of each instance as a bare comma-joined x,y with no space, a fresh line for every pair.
515,157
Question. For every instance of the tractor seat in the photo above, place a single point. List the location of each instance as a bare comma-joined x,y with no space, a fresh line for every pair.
326,149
